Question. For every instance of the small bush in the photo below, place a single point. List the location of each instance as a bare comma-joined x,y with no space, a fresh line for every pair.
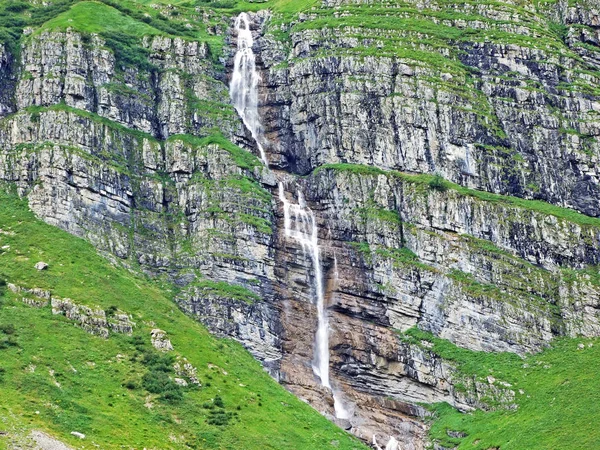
8,329
8,342
438,183
131,385
157,382
220,417
172,395
219,402
157,362
127,50
16,7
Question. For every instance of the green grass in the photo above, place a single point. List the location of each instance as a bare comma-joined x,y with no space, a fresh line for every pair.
226,290
95,17
102,394
559,407
241,157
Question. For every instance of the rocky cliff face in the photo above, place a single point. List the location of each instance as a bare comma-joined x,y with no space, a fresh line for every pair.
118,156
507,109
359,113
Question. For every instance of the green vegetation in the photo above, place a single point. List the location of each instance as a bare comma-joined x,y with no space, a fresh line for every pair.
118,391
468,362
474,287
438,183
15,15
226,290
241,157
159,377
95,17
558,407
402,257
375,212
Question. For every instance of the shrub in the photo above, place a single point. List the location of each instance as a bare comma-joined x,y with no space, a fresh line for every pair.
157,362
220,417
438,183
127,50
8,329
131,385
8,342
157,382
16,7
2,282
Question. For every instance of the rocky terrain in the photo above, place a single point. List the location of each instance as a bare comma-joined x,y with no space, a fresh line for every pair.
448,152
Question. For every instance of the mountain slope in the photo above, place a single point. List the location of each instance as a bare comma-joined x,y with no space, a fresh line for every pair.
59,378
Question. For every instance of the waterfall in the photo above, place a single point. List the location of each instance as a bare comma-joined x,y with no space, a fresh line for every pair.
306,233
299,221
300,224
468,161
244,83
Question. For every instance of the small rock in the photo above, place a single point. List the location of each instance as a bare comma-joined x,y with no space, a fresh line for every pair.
580,346
427,344
491,379
181,382
521,391
160,340
344,424
456,434
41,265
78,434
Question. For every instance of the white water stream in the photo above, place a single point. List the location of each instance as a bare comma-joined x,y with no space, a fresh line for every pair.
300,224
299,221
244,83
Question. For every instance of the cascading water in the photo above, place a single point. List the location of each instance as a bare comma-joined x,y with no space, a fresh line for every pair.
299,221
300,224
244,83
468,163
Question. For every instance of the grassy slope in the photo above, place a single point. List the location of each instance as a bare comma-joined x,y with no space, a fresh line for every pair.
559,407
93,17
91,398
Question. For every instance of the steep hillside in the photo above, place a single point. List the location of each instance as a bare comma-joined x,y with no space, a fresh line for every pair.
393,205
65,369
